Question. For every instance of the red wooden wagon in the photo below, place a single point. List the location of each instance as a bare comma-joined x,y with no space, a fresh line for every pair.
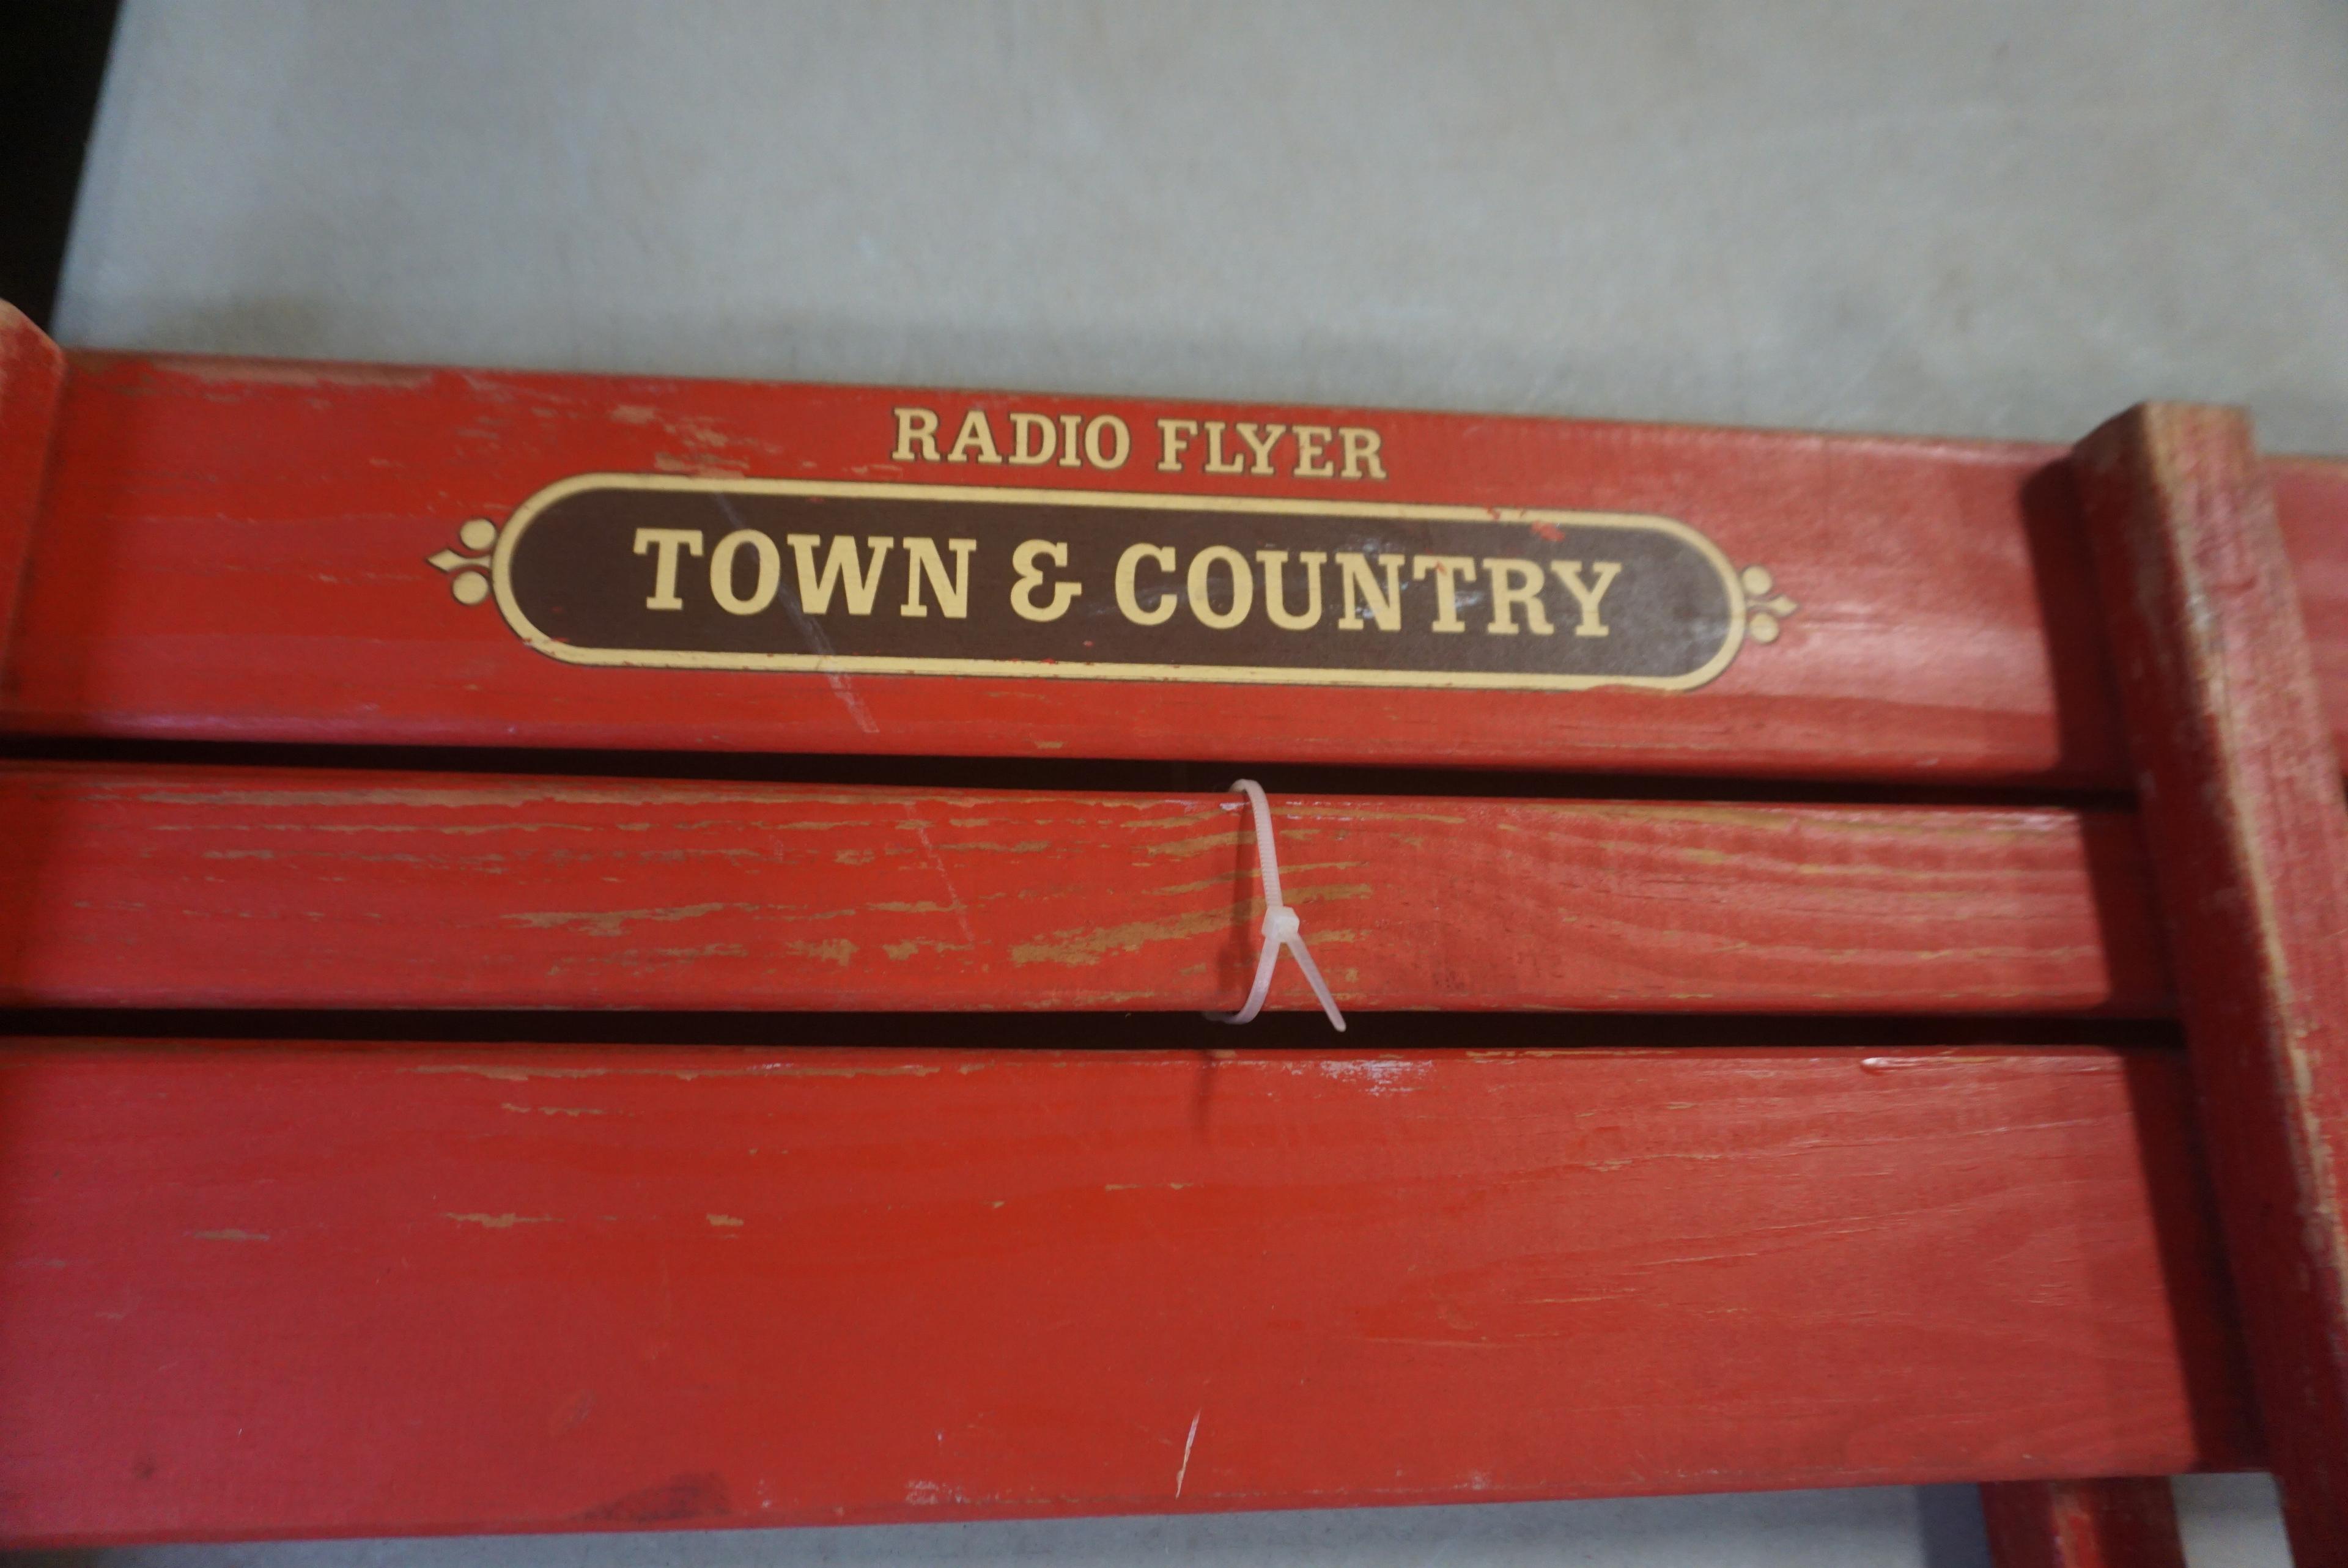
599,952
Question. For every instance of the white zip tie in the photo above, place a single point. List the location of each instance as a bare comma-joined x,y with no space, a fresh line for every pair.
1280,926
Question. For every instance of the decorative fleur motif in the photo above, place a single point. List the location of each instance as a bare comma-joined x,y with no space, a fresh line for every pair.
469,586
1763,616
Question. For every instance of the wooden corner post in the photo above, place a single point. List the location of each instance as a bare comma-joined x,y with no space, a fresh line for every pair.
2242,809
2129,1523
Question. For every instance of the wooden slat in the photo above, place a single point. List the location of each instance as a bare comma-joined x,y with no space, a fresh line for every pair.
2243,810
278,887
307,1290
236,550
2120,1523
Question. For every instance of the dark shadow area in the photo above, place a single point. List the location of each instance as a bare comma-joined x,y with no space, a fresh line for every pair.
1365,1031
52,63
2212,1351
1079,775
2063,578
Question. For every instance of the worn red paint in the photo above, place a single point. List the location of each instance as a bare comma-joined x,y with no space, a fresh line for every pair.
284,887
288,1290
235,549
617,1288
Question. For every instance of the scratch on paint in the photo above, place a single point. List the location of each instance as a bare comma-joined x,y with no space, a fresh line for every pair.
839,950
921,832
815,639
229,1236
502,1222
1184,1472
725,1222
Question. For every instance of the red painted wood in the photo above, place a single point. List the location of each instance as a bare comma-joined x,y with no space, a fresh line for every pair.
235,549
32,376
308,1290
2243,810
2121,1523
282,888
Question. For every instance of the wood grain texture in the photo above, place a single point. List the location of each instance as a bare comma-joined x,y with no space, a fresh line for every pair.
2242,809
309,1290
2311,498
32,380
235,549
2128,1522
282,888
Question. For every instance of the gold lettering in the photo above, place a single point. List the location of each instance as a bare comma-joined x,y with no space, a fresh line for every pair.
1173,440
916,428
1261,440
1587,595
976,432
666,542
839,562
1275,604
1449,571
1115,426
1173,437
1242,587
721,572
1309,463
1031,578
1516,584
1385,609
1069,456
1025,456
1361,446
1126,566
921,559
1216,462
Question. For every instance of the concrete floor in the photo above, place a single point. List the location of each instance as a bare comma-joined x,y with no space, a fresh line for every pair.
1972,217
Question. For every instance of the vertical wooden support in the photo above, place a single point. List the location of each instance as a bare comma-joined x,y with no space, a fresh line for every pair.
2124,1524
32,379
2242,809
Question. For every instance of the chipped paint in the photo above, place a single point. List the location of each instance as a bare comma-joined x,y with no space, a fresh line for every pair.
1378,1074
521,1073
614,922
294,373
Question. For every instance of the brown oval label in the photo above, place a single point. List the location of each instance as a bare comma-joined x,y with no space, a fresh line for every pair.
776,574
